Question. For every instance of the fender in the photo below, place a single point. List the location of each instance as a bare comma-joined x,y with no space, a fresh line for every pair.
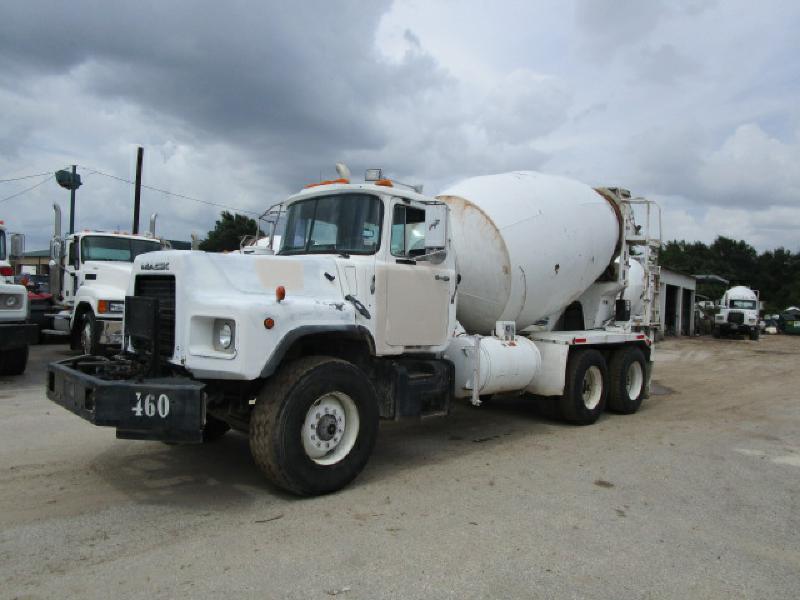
358,331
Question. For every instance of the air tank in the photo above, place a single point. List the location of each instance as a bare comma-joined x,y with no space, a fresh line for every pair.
527,245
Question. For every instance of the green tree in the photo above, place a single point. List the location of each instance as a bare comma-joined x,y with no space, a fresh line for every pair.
228,232
774,273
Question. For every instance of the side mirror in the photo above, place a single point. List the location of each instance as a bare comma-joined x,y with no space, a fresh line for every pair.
17,245
435,227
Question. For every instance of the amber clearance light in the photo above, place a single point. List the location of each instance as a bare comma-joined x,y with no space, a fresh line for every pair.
280,293
269,323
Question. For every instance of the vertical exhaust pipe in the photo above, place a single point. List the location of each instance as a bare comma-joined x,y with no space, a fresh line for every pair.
57,225
153,218
56,250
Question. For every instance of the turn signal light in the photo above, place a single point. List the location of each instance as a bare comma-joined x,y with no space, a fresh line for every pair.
280,293
384,182
329,182
102,306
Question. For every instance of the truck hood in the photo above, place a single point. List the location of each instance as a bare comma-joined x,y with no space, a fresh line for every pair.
109,275
302,276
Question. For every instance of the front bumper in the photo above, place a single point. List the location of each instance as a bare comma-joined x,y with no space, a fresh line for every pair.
17,335
169,409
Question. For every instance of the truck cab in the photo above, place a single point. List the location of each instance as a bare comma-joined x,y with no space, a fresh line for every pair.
737,313
90,271
15,332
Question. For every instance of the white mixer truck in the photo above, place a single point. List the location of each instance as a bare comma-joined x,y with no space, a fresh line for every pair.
381,303
16,334
89,274
737,313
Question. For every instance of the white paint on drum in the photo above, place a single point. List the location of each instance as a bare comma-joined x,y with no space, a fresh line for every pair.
528,244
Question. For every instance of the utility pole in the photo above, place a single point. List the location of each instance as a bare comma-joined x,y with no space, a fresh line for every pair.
72,203
138,190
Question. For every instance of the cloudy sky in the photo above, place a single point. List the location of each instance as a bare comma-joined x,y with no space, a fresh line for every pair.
694,103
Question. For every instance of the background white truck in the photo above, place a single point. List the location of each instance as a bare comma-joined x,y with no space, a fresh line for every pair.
16,334
738,313
89,275
382,303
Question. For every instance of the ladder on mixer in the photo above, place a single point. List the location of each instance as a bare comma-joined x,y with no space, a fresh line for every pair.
649,241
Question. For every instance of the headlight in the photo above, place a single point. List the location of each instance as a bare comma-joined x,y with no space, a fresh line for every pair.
224,332
10,301
116,307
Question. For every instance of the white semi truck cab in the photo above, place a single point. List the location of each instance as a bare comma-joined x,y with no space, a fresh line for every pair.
16,334
738,313
381,303
89,276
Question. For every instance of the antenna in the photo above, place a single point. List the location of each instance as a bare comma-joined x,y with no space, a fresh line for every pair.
342,170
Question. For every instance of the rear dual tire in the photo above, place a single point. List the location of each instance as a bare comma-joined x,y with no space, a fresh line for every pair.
585,393
592,384
627,376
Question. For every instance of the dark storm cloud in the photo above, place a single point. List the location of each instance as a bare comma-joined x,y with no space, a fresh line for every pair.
294,82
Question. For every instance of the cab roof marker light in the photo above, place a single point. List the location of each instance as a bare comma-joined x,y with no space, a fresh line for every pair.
373,175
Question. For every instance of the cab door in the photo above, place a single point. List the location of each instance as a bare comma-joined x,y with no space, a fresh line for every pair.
418,292
69,282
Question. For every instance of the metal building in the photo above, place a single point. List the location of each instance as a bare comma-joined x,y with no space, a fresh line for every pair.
677,298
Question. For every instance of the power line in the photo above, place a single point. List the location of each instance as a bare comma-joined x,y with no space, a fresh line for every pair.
23,177
42,182
167,192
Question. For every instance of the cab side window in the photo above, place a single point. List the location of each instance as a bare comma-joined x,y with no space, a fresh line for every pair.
408,231
71,254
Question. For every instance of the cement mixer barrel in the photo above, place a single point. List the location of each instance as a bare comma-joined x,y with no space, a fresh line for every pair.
528,244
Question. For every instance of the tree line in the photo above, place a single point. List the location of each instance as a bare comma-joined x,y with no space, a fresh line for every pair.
774,273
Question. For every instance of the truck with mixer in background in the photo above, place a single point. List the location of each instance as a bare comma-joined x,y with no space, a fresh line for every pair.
382,302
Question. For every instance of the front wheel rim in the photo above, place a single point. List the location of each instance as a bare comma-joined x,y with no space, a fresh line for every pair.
634,380
330,428
592,387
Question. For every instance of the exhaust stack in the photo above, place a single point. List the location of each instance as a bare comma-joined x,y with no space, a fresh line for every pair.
57,225
153,218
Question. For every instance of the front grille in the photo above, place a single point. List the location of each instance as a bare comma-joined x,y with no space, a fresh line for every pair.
161,287
736,317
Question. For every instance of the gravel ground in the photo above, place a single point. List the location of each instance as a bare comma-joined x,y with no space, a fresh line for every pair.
695,496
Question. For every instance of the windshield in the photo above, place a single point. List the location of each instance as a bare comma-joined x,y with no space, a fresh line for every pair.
2,245
340,223
101,247
745,304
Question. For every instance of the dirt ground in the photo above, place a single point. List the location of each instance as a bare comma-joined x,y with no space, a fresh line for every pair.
695,496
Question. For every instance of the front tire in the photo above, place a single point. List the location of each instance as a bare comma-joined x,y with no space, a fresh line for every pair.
89,334
755,334
314,425
585,392
627,375
13,362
